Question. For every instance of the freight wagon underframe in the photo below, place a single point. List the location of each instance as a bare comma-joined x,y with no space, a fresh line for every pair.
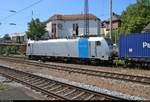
137,62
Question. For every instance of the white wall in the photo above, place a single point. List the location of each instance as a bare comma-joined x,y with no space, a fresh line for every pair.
67,29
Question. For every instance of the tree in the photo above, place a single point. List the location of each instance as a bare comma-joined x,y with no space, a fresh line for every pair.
115,35
135,17
6,37
36,29
146,2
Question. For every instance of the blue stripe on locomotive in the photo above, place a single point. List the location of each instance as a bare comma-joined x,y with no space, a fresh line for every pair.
135,45
83,45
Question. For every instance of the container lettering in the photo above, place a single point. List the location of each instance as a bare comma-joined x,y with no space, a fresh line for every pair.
146,45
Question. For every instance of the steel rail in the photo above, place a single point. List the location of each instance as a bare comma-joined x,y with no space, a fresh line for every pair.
53,88
112,75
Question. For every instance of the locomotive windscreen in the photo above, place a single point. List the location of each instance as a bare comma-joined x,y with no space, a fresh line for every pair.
109,41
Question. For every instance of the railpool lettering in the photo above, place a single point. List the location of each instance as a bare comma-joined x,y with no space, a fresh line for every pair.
146,45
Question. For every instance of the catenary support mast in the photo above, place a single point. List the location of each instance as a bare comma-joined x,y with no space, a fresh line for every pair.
110,20
86,18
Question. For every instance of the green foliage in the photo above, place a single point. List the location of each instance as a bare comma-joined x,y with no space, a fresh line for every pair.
119,62
36,29
2,50
4,86
135,17
7,50
146,2
6,37
115,35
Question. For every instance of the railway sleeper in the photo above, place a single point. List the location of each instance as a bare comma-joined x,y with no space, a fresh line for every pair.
59,91
49,86
75,93
55,87
44,84
77,96
70,92
39,82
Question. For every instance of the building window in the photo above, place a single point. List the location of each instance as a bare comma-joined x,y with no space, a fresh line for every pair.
98,43
76,29
53,28
75,26
60,26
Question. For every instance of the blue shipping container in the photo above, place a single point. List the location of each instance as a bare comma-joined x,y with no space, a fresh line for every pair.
134,46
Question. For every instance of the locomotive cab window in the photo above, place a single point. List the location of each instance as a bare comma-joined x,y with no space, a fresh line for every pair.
98,43
109,41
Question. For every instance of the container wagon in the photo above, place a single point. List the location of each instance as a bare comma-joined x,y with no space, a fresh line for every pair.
135,49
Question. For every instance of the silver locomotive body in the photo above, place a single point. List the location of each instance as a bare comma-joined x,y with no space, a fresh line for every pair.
81,48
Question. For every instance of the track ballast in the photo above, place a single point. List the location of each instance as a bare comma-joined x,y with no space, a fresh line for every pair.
53,89
112,75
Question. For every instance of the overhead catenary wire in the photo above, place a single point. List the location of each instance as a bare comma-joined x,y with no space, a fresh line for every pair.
35,3
4,10
17,24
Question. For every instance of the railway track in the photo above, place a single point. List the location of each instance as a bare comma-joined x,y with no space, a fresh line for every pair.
117,76
53,89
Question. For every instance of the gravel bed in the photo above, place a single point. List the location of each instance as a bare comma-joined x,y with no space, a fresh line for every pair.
110,85
28,93
3,79
91,87
139,72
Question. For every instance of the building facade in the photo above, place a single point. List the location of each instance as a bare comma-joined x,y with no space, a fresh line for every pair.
146,29
18,37
66,26
116,23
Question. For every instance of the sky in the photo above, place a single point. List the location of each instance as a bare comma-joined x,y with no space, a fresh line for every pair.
46,8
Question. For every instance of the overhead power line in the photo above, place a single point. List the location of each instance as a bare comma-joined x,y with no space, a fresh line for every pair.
35,3
4,10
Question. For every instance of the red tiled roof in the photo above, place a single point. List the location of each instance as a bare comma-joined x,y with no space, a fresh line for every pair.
72,17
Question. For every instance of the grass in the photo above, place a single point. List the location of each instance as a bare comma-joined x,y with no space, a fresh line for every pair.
122,63
19,56
119,62
4,86
15,55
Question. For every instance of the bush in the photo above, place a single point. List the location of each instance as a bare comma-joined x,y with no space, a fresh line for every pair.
7,50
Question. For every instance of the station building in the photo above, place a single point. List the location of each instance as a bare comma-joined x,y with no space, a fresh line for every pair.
67,26
18,37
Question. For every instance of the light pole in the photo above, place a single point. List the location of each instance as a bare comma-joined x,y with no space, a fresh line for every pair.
12,24
13,11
